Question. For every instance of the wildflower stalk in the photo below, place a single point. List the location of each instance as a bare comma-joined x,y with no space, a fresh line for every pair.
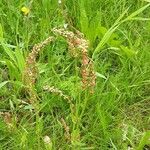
29,78
31,71
79,48
76,41
57,91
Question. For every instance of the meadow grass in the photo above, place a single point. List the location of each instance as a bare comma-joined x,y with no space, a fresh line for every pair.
50,109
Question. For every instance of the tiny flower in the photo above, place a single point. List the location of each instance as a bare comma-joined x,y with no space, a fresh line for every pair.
25,10
65,25
47,140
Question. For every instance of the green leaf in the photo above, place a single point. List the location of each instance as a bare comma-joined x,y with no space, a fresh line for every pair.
140,19
11,105
93,28
20,59
104,40
145,140
109,33
147,1
83,18
130,17
3,84
9,52
117,23
102,30
28,107
1,31
129,52
42,67
100,75
13,70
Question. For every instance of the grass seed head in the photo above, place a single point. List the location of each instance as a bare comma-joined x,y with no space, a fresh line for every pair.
54,90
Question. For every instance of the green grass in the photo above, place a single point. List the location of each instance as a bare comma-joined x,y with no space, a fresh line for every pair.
116,116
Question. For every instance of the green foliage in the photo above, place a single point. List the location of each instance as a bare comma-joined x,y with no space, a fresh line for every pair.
144,140
3,84
116,116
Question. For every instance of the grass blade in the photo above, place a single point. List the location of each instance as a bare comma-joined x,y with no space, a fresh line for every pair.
3,84
117,23
130,17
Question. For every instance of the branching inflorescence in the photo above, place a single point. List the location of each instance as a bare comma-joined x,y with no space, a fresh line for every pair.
77,41
31,71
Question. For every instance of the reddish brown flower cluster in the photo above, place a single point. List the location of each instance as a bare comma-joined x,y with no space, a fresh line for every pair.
72,40
76,41
8,119
31,70
30,73
92,76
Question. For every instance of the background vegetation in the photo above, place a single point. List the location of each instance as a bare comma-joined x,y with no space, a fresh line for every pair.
116,116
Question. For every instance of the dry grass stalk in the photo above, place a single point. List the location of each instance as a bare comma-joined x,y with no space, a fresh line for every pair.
54,90
7,117
67,130
77,41
61,94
